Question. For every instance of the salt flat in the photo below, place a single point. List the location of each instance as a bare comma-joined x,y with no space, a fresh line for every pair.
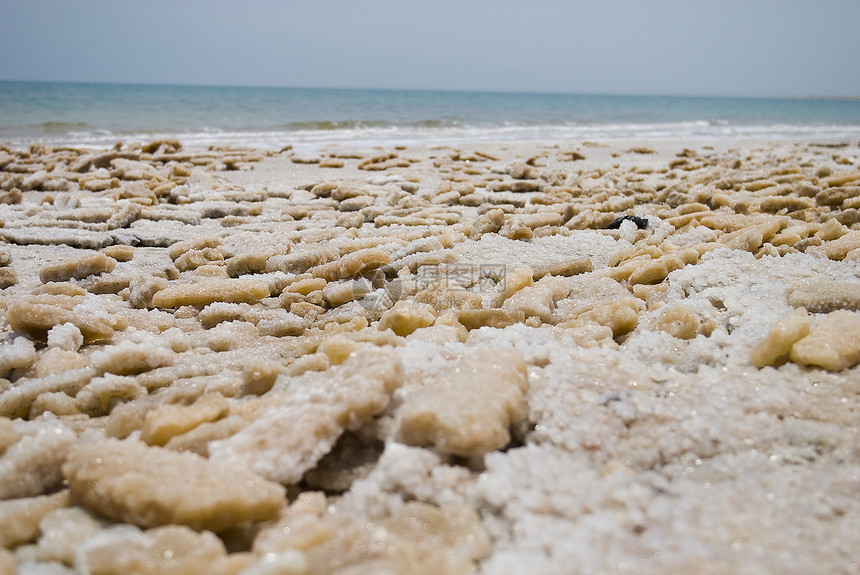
498,358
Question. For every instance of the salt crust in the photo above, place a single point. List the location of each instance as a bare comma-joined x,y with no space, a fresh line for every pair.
206,292
494,249
20,518
64,531
310,415
78,268
824,297
31,465
168,421
636,346
37,315
123,480
468,412
16,353
170,549
787,331
412,537
833,343
65,336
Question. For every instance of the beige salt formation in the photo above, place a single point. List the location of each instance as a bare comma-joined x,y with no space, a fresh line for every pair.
303,424
470,412
491,358
124,480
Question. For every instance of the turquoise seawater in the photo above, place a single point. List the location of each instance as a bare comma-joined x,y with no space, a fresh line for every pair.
101,114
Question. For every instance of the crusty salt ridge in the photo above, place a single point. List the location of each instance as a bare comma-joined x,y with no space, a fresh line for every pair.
681,397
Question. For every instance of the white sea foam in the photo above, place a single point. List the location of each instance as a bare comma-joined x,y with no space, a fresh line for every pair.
309,140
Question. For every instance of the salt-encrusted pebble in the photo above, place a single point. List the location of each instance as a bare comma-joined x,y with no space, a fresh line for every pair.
128,358
13,196
678,320
102,394
219,312
317,536
352,264
292,436
8,277
473,318
65,336
64,531
833,343
280,323
822,296
167,421
539,299
172,549
656,270
193,259
16,401
516,277
209,291
39,235
20,518
469,410
781,337
405,317
247,263
149,486
301,261
36,315
77,268
142,287
259,375
838,249
31,466
566,268
340,292
16,353
307,285
56,360
179,248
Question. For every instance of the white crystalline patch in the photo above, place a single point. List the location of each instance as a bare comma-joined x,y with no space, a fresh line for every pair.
65,336
128,358
745,295
496,249
384,179
31,466
93,306
16,353
628,231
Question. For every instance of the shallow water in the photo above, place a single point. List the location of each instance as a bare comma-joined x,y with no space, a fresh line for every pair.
101,114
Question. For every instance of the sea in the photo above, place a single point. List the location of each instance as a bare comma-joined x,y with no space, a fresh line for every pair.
100,115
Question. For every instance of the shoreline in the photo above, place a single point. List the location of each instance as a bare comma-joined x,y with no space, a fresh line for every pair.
364,138
500,357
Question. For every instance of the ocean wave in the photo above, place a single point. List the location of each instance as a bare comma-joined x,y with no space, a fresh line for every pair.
329,125
51,127
59,127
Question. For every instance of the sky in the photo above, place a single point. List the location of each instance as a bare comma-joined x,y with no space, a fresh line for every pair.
663,47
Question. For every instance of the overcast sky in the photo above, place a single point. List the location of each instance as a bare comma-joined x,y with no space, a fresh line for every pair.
673,47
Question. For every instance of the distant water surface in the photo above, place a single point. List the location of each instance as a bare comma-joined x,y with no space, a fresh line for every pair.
201,116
